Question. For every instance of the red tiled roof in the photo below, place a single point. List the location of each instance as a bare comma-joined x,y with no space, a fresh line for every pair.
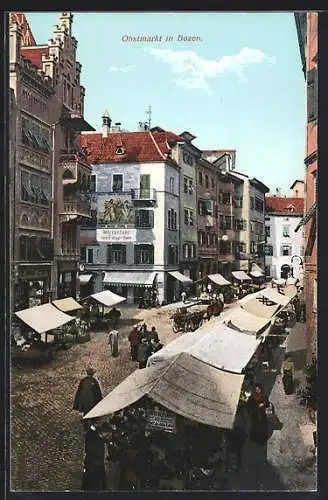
34,54
138,146
28,39
280,204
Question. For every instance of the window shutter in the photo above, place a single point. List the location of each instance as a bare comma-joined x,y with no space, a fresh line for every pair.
312,94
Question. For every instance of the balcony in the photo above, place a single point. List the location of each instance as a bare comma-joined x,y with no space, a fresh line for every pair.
75,210
74,165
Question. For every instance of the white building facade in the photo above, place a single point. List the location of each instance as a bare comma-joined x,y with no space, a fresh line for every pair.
134,242
284,250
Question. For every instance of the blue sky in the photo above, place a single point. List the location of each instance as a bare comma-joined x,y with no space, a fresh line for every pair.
241,87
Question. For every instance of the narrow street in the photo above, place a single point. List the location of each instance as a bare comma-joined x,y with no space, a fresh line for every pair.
45,429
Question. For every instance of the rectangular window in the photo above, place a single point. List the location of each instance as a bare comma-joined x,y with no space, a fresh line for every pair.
268,250
190,186
169,219
116,254
224,198
145,186
83,254
145,218
35,189
186,217
259,205
144,254
93,183
285,250
117,186
226,222
200,178
286,231
252,203
208,207
267,231
238,201
191,218
171,185
175,217
185,184
252,226
240,224
25,186
253,247
207,185
212,182
172,254
312,94
242,247
90,256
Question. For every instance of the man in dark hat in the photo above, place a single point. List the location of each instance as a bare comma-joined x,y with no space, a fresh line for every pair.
88,393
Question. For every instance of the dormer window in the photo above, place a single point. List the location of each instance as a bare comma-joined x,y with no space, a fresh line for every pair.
120,150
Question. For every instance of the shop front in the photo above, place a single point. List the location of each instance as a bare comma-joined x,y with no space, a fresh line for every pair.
138,287
32,282
67,280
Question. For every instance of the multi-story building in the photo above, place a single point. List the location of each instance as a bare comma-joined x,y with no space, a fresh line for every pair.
249,198
307,32
207,219
49,98
11,183
284,249
185,154
133,241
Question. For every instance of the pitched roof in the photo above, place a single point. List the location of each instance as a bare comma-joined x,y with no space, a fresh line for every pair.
282,204
34,54
137,146
28,39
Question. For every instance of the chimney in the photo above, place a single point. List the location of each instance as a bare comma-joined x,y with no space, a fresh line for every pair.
106,123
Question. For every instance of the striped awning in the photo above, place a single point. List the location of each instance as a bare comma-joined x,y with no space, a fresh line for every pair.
218,279
129,278
307,216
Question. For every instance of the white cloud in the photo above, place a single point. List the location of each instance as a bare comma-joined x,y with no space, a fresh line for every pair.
123,69
194,72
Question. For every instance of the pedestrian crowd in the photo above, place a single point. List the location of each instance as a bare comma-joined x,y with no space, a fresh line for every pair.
143,344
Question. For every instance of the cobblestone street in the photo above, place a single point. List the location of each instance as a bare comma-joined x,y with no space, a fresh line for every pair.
47,438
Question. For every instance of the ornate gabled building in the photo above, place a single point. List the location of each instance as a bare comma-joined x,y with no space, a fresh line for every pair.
51,176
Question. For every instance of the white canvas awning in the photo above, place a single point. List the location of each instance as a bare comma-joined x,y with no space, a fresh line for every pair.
248,322
218,279
215,344
67,304
184,385
257,270
43,318
276,297
180,277
258,308
107,298
241,276
85,278
129,278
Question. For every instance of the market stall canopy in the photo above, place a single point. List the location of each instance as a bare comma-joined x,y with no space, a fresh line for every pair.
43,318
258,308
67,304
85,278
107,298
247,322
277,298
256,271
132,278
241,276
180,277
183,385
218,279
215,344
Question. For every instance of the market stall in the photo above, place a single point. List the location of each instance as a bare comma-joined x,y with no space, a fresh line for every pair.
41,320
76,331
97,302
244,321
218,345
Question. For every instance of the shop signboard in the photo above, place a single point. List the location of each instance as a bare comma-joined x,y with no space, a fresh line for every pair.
161,420
120,235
